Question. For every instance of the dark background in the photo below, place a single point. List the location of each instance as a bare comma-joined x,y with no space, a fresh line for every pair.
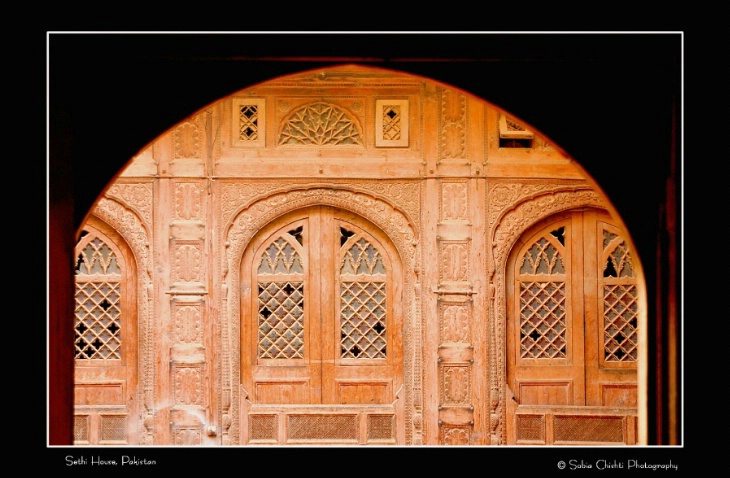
611,101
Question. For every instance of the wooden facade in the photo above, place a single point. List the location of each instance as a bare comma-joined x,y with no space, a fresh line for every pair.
354,255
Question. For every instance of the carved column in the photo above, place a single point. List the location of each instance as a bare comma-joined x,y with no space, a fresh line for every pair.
455,311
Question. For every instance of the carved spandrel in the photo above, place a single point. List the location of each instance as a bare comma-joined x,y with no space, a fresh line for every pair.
405,195
136,196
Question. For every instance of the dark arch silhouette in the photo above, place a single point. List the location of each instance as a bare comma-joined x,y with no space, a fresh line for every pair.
610,100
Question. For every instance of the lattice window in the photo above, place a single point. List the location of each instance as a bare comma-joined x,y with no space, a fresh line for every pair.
81,428
531,427
281,300
322,427
513,135
98,322
362,300
320,124
588,429
620,302
381,427
392,122
113,428
543,302
248,122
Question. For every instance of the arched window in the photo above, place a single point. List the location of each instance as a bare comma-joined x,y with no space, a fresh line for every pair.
104,338
572,333
321,340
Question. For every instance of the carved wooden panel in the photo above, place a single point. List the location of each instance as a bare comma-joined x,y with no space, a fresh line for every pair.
392,121
188,139
398,156
187,321
455,322
188,382
187,268
451,435
453,125
454,266
248,122
454,204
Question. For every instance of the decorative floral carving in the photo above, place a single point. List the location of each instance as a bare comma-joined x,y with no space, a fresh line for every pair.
187,323
455,323
320,124
187,267
454,201
188,385
188,199
456,384
455,436
136,196
453,124
186,140
454,261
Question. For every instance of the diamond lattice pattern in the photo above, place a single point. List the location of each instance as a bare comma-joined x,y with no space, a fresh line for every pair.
362,323
391,122
98,320
281,320
542,320
620,321
249,123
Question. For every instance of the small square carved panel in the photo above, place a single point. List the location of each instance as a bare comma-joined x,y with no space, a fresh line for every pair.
391,123
248,122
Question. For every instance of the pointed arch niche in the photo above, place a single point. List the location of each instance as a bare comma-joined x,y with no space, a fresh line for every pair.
452,183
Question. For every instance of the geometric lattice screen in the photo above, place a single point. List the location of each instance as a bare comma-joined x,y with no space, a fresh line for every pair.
362,301
543,302
98,303
620,302
281,300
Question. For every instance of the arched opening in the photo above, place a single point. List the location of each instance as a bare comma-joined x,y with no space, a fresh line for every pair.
105,339
573,342
321,340
453,249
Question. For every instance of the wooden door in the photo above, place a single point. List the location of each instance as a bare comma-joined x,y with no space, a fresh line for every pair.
105,342
321,312
572,331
